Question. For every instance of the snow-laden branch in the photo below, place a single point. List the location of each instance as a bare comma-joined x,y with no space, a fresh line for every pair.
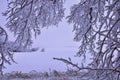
97,27
28,16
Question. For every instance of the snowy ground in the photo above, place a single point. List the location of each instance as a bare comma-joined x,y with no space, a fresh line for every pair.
34,75
51,78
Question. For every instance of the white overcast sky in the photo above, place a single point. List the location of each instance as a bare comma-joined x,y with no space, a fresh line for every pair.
57,41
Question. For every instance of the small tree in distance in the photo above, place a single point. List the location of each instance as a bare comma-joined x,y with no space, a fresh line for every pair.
95,23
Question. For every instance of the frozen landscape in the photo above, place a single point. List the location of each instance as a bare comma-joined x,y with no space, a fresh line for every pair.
60,40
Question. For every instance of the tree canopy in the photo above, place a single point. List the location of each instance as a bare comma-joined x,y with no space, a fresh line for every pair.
95,24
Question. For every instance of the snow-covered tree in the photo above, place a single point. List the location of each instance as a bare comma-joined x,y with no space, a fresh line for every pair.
96,24
24,18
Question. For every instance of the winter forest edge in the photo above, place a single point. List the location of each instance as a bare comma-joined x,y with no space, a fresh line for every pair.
95,25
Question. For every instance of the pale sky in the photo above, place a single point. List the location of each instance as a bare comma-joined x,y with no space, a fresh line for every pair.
57,41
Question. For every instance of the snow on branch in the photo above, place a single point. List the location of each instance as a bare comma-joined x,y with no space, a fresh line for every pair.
97,27
28,16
